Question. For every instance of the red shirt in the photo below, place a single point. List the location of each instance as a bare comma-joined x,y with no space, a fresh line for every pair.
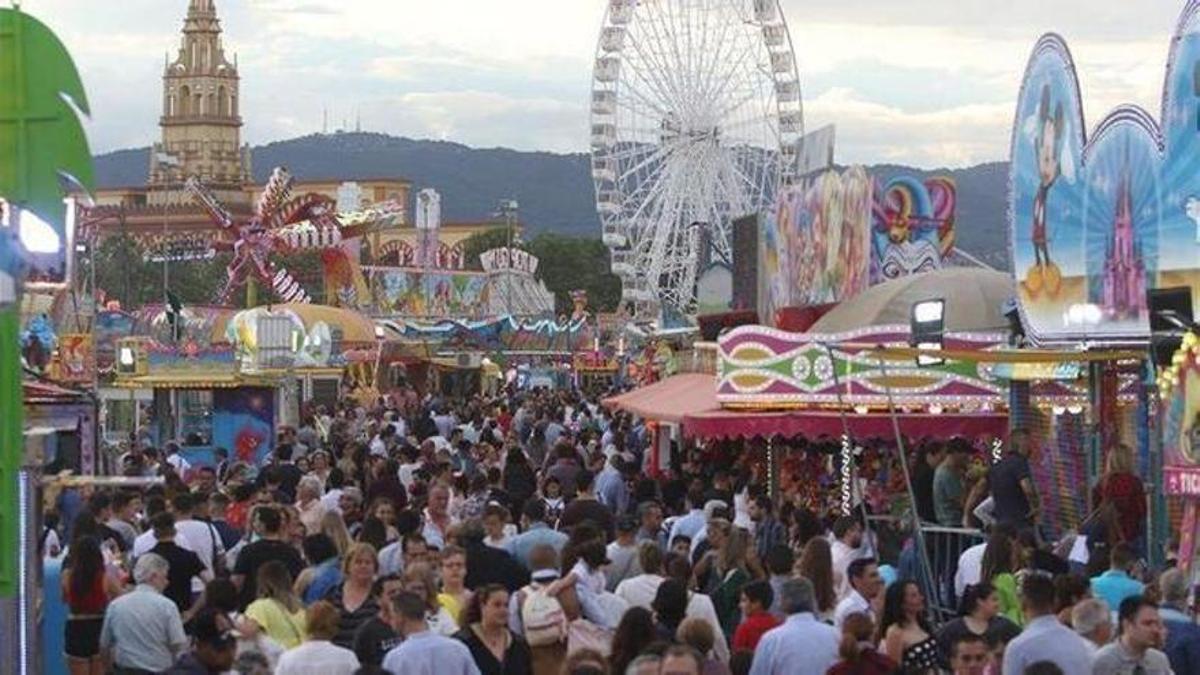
751,630
1128,497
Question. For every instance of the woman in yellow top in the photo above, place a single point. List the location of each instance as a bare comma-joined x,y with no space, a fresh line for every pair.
277,612
1001,559
455,596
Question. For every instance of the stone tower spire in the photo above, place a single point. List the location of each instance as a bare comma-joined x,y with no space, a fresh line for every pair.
201,127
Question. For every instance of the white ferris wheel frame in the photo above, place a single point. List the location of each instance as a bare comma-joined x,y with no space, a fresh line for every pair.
664,182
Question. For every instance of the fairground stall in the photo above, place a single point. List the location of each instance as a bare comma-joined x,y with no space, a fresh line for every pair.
202,398
71,415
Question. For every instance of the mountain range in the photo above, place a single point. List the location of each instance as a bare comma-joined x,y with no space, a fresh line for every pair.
554,190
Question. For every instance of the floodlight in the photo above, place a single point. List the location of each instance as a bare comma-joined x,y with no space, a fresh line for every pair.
929,312
926,328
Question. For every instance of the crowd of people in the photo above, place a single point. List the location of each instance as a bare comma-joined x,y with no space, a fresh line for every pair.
536,533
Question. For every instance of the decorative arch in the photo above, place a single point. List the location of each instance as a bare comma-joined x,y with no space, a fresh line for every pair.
397,252
185,99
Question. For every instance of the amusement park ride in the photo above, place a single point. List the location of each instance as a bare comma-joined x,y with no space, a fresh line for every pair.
696,121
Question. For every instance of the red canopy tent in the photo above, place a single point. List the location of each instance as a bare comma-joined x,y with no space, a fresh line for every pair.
670,400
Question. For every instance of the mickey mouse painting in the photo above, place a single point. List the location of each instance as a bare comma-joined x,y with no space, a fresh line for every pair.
1048,146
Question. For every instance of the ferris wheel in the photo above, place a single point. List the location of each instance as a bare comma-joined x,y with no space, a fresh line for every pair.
696,120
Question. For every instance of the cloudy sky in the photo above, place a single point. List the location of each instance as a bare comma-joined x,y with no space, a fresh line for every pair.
930,83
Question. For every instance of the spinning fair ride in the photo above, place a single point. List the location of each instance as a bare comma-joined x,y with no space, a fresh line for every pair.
696,120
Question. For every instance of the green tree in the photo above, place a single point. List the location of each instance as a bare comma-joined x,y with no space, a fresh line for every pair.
123,273
570,263
481,242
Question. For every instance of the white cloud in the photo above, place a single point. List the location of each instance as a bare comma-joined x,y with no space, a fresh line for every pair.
517,72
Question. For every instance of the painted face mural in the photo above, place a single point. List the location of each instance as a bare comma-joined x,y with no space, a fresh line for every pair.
913,226
1097,222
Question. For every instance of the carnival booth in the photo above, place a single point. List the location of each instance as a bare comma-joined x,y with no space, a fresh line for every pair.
202,398
71,414
312,347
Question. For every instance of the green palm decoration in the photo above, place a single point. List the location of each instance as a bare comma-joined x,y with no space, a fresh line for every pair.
41,143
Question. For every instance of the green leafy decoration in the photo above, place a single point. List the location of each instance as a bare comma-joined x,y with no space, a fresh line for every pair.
41,141
41,138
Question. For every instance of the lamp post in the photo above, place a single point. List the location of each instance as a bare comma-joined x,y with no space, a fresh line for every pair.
167,161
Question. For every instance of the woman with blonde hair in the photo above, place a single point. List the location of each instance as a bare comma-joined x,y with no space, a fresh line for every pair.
699,635
333,526
816,565
318,653
420,579
1121,491
277,612
728,571
857,650
354,597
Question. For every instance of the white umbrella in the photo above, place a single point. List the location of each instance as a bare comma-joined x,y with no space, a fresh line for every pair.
974,300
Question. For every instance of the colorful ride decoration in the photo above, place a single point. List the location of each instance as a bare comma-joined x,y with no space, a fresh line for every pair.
504,334
1179,389
1097,221
760,367
814,244
429,294
912,226
280,226
831,237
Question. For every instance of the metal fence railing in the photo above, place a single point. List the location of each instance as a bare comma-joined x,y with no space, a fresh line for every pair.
894,544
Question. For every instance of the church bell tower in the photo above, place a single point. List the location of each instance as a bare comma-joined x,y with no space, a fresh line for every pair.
201,127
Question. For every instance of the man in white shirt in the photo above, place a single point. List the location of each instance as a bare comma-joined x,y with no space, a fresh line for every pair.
146,540
317,655
865,585
639,590
845,548
379,445
176,460
196,536
970,568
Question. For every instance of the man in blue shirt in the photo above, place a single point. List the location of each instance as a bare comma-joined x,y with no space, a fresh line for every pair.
611,489
1115,585
1183,635
536,532
801,644
424,652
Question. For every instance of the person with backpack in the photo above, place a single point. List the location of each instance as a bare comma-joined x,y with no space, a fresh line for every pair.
541,617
